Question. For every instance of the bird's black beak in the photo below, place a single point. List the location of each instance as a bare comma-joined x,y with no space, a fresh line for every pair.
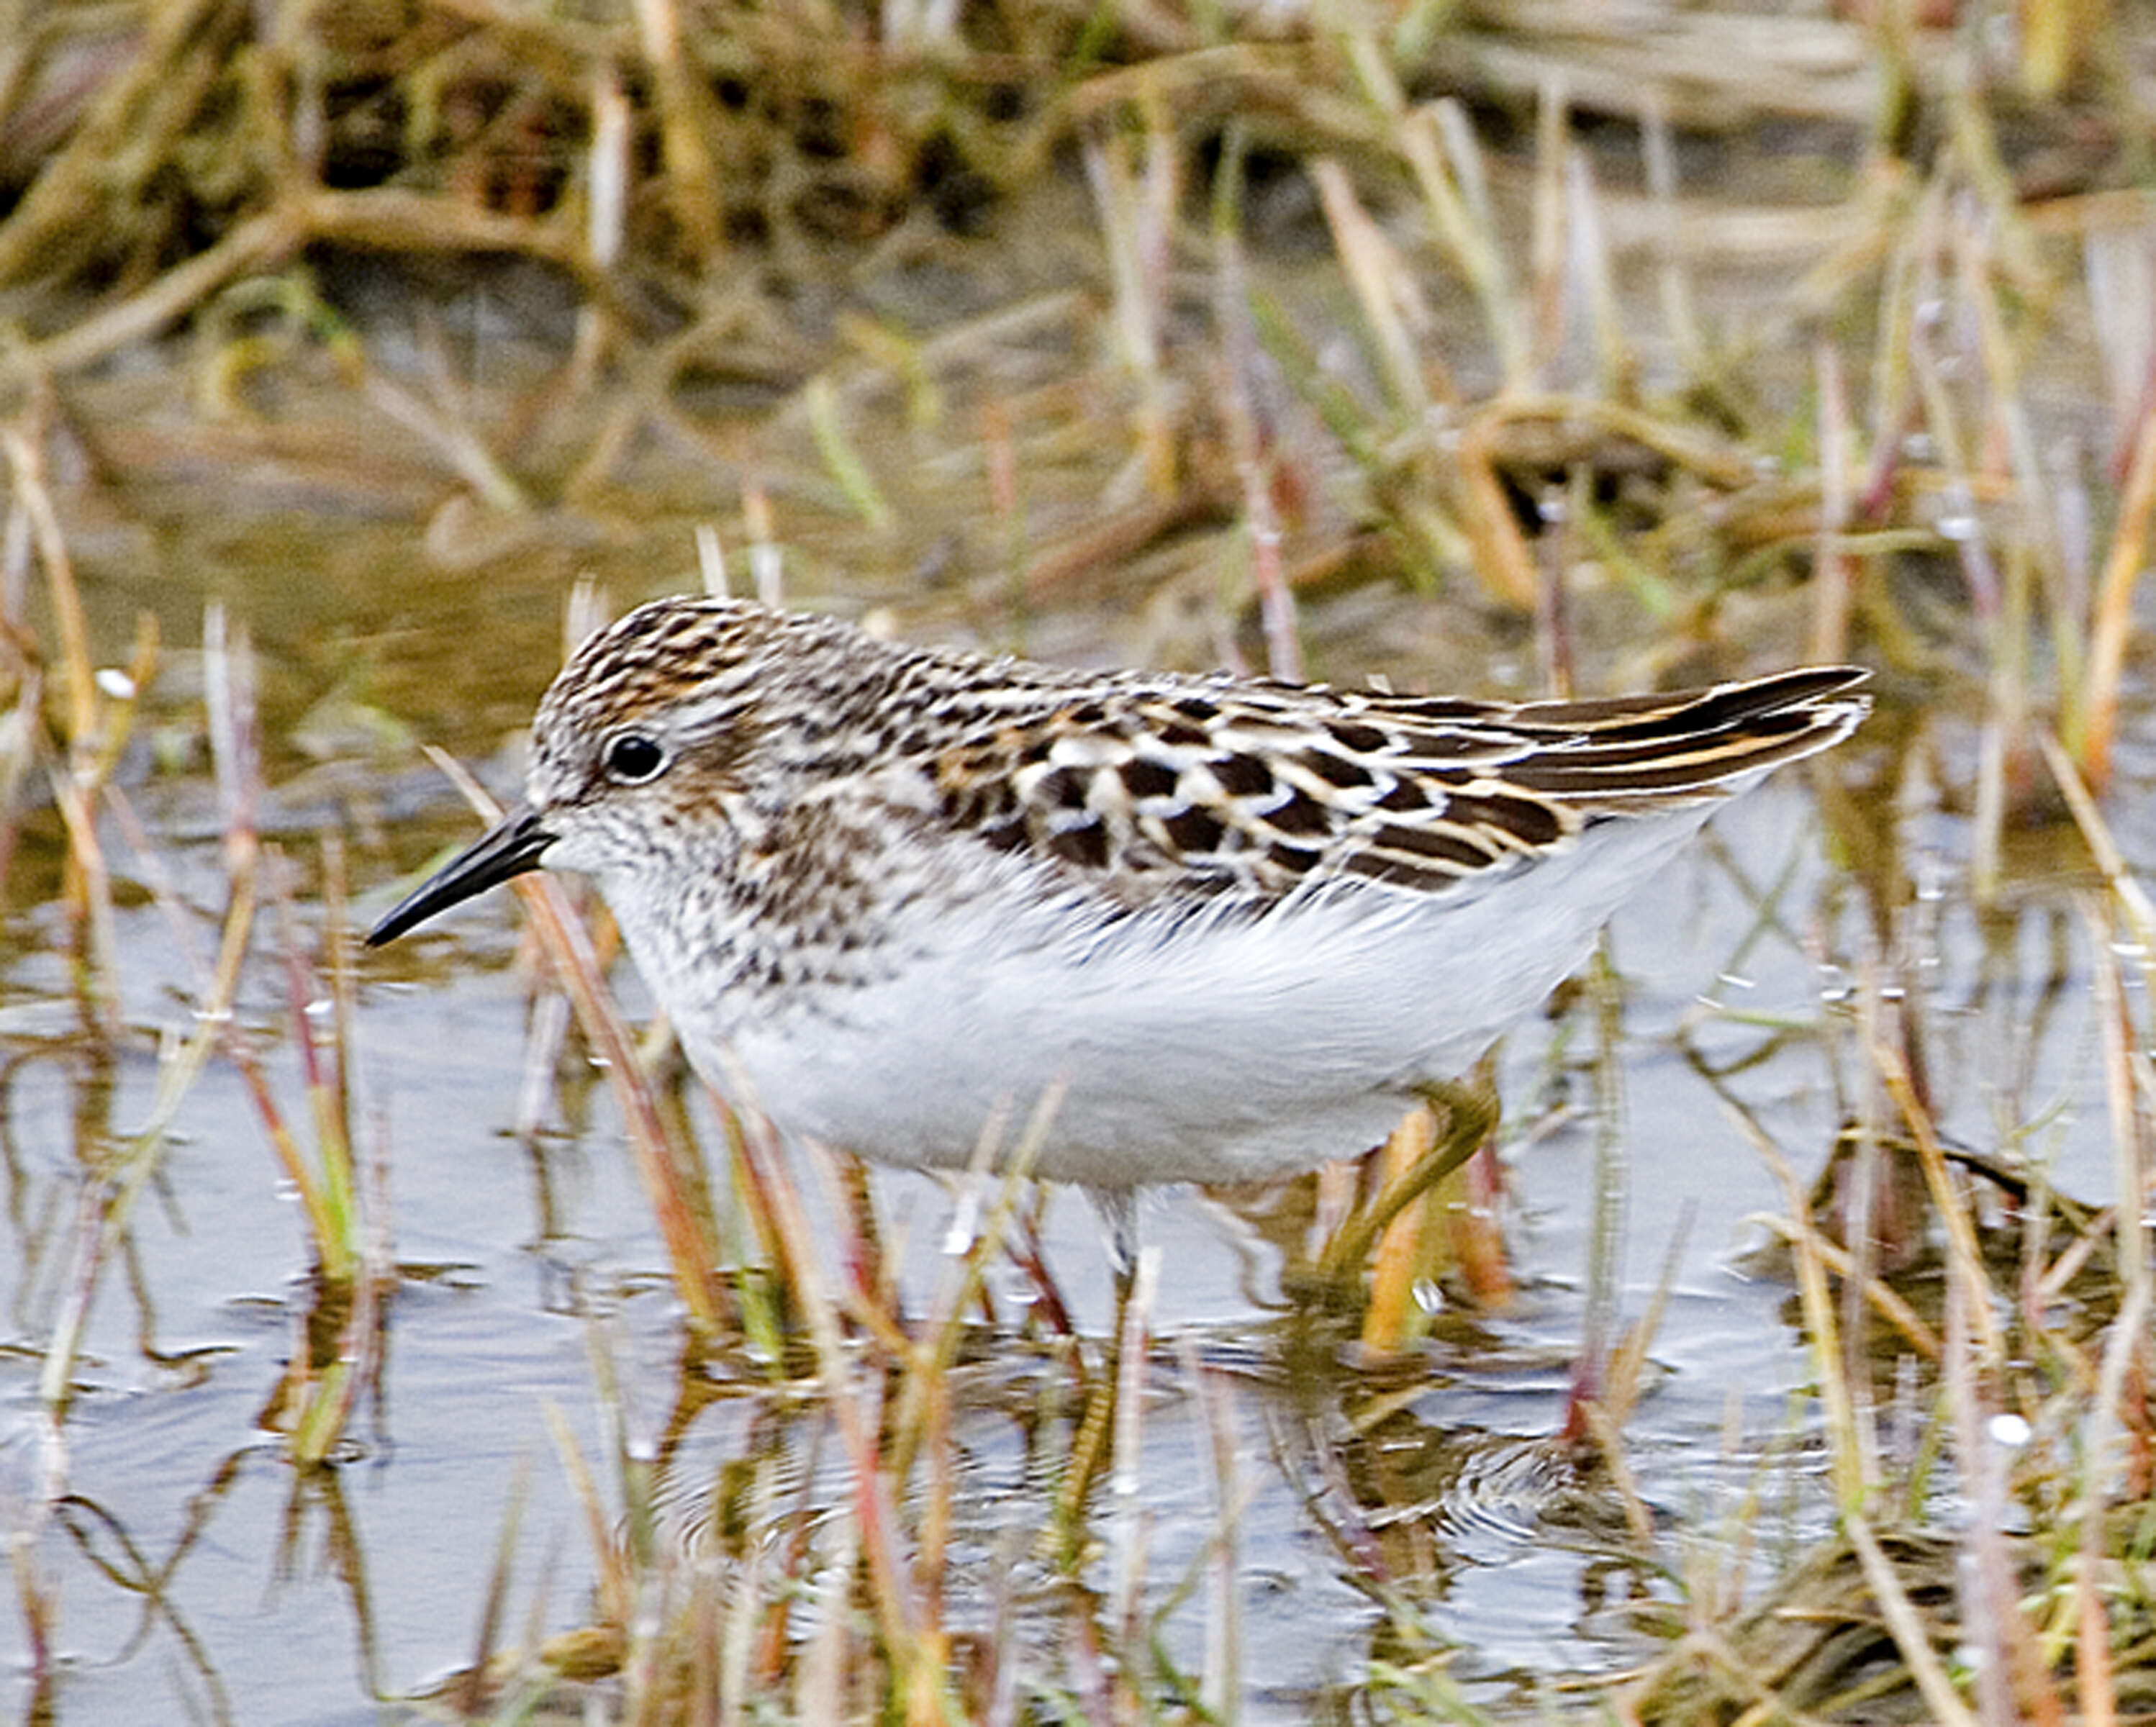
514,844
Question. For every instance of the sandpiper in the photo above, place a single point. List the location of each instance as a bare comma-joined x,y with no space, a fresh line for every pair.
1243,925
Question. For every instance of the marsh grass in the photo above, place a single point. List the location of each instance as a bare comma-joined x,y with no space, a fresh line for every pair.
1586,442
1981,1372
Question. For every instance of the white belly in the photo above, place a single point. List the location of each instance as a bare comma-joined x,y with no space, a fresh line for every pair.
1188,1049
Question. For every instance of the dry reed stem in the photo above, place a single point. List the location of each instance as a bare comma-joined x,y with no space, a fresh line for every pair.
614,1580
26,461
1964,1254
2007,1674
348,1238
368,1325
1607,1433
1502,560
2006,718
2096,1688
39,1605
606,217
235,750
1930,306
688,173
819,1678
932,1521
1832,575
337,1034
1619,1394
2118,273
765,1290
1680,318
1129,1525
1999,368
1255,465
1879,1293
2125,1075
1905,1625
330,1189
729,1614
1851,1457
767,563
455,442
1220,1691
106,1203
999,467
470,1692
96,728
1874,1214
1605,1222
1438,144
2129,1337
357,1271
545,1038
2092,724
1696,451
891,1598
1384,290
1239,77
1993,1615
322,1226
1716,1595
1136,217
385,219
930,1367
97,973
1593,286
1546,229
1892,389
2133,900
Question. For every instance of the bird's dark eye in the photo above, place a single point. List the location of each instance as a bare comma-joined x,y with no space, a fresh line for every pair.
632,757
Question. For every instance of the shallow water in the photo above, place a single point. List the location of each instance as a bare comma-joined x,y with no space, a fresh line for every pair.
290,1598
294,1599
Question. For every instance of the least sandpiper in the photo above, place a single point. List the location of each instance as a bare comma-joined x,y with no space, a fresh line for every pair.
1243,925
